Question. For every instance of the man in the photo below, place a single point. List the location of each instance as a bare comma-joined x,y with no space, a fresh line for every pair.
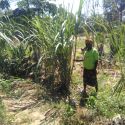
91,57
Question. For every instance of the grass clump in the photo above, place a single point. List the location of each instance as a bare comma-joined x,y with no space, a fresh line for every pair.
5,85
70,117
107,105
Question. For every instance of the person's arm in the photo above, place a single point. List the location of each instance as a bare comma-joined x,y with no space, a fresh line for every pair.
96,55
83,49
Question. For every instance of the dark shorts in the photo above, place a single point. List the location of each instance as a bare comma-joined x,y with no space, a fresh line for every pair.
90,77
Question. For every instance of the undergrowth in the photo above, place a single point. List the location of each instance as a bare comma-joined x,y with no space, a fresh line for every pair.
107,105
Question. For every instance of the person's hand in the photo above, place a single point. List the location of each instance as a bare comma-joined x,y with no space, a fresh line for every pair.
83,49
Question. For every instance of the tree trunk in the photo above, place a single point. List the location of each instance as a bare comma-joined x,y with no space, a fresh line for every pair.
120,16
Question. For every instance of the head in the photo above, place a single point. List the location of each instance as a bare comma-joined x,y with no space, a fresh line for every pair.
89,44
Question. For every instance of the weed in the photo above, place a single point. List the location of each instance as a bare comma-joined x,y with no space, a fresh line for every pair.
107,105
69,111
5,85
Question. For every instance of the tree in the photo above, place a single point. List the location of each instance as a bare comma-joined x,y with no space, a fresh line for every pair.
23,4
41,5
113,9
4,4
120,7
110,10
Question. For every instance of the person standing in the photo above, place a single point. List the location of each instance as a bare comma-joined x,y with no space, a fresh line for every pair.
91,57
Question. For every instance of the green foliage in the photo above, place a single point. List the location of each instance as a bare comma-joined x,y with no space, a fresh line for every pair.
91,102
70,118
42,7
5,85
113,10
113,36
22,4
54,37
4,4
69,111
110,10
107,105
40,48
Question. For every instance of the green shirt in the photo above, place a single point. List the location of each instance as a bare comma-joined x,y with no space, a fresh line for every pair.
90,57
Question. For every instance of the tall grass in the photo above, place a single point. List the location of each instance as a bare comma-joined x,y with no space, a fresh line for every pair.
56,44
40,48
43,48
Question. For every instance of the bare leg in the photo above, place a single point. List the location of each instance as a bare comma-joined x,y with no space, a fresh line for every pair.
96,87
85,87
